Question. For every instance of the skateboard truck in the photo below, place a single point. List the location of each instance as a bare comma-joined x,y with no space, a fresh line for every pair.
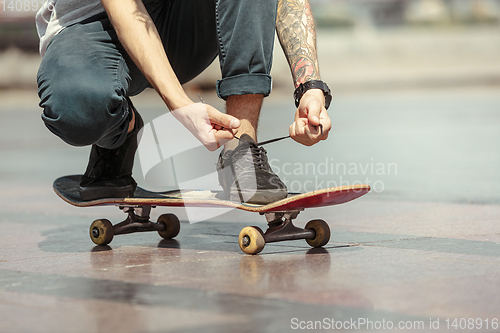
280,228
137,221
102,231
279,214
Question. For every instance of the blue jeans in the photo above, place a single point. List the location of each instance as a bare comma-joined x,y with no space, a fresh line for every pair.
86,76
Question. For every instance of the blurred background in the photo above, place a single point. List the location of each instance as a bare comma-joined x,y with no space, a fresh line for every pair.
363,44
415,84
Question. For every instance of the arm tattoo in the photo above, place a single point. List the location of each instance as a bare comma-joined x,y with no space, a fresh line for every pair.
297,34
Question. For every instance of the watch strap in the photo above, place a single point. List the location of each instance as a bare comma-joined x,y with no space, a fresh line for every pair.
313,84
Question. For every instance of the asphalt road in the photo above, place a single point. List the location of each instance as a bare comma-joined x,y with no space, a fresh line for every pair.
422,248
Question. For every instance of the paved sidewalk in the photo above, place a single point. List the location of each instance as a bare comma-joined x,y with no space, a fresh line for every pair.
421,251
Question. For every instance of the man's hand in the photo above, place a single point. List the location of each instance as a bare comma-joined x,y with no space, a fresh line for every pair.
309,115
297,35
210,126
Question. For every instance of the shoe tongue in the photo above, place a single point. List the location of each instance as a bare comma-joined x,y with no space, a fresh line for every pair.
245,142
247,138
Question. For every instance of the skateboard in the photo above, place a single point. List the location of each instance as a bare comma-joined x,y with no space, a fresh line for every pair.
279,214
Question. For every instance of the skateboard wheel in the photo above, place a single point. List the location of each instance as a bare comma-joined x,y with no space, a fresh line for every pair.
251,240
101,232
322,231
172,226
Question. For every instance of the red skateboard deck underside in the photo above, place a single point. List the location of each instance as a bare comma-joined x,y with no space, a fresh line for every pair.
67,189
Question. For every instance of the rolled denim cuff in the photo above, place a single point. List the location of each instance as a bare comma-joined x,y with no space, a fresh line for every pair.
242,84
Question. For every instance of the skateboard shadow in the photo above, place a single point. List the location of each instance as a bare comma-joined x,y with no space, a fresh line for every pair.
169,244
101,248
71,239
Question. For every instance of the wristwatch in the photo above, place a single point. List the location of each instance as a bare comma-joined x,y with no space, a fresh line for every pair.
313,84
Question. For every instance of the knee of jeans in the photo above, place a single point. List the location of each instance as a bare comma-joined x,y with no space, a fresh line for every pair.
80,115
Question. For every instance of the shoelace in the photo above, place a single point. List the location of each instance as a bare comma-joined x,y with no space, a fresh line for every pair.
278,139
260,157
268,141
257,155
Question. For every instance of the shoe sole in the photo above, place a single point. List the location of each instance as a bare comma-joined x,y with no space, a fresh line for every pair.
95,193
260,197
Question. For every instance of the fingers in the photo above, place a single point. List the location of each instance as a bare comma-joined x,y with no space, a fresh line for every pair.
314,108
222,120
222,137
222,126
327,124
312,105
307,134
312,123
211,127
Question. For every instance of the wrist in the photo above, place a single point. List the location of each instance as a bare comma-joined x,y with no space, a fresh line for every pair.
313,94
316,92
181,100
303,88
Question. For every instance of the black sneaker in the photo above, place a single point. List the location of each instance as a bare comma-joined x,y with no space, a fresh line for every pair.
109,172
245,174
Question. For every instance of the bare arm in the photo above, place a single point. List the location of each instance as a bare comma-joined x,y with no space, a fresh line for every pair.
138,35
297,35
141,40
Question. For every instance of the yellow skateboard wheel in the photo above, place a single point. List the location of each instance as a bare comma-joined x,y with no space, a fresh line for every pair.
251,240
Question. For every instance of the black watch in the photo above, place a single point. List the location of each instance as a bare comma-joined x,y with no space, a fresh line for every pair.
313,84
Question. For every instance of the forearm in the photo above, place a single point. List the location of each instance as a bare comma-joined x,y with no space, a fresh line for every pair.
138,35
297,35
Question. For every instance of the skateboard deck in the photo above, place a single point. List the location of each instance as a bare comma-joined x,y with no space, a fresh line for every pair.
67,189
279,214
